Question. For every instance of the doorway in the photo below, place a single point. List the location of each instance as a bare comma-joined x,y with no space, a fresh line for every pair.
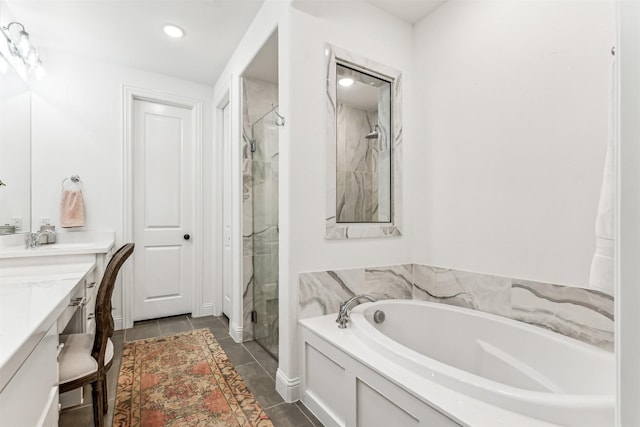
259,94
162,203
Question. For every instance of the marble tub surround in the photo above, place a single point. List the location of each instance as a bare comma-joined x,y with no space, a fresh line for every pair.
322,292
348,180
580,313
585,314
461,288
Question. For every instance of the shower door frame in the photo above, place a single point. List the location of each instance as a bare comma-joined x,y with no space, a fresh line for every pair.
253,255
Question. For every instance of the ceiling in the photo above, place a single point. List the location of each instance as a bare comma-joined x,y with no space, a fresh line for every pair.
410,11
130,32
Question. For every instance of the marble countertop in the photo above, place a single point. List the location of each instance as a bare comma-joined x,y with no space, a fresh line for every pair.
68,243
29,305
31,300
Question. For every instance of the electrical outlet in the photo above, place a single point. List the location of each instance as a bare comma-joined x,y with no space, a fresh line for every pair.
44,220
17,222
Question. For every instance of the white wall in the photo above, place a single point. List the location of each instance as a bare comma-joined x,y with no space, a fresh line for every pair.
512,105
77,118
365,31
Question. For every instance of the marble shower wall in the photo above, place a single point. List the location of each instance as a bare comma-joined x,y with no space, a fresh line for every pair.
357,165
584,314
258,170
384,154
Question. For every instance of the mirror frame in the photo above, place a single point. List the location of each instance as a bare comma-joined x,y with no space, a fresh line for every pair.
335,230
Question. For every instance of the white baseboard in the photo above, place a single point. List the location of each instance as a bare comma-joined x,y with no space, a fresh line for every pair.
206,310
288,388
117,323
235,332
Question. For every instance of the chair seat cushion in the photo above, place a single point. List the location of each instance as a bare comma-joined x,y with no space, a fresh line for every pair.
75,360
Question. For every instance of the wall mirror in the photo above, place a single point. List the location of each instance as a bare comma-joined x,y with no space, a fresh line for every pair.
15,150
364,123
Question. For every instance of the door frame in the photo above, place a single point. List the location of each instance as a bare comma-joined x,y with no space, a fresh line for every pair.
131,94
231,91
227,194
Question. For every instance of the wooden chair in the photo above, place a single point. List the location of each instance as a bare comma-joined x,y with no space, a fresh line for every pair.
86,358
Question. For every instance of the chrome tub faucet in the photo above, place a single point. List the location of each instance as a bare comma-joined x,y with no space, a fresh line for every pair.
343,314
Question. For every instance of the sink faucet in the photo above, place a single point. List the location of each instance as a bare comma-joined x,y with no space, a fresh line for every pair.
29,240
33,240
343,314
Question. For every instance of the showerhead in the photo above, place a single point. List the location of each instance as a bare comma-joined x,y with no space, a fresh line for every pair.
374,134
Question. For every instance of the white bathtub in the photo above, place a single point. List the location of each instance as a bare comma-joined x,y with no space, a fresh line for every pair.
483,361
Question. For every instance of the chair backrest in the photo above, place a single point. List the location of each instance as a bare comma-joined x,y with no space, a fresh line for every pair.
104,319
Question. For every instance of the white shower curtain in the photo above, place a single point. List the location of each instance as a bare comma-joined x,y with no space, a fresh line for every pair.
602,265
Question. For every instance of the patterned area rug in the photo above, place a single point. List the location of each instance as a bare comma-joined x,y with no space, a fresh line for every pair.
183,380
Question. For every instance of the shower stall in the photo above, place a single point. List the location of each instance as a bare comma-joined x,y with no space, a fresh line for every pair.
263,148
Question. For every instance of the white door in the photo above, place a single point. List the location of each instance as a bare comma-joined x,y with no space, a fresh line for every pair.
227,259
163,208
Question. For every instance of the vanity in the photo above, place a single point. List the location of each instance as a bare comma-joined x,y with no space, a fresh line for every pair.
44,292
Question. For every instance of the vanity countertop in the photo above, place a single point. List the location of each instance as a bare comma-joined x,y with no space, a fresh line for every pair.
69,243
31,300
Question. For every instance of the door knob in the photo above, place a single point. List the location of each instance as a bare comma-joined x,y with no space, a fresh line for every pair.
186,237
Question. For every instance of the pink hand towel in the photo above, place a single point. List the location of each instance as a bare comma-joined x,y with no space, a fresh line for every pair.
71,209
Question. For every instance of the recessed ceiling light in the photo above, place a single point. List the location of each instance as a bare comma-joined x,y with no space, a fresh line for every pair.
173,31
346,82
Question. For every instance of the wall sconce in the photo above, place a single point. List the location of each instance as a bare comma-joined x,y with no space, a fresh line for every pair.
20,45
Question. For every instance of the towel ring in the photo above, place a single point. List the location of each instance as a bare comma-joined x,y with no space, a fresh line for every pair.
75,180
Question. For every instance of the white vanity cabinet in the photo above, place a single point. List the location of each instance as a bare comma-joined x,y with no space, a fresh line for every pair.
31,397
44,292
35,303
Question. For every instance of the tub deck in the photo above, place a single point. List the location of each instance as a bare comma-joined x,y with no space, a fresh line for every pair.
345,377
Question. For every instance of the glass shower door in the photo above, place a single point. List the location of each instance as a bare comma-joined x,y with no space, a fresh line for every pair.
264,168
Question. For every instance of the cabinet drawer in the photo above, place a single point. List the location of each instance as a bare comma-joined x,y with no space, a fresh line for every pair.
77,301
90,313
27,398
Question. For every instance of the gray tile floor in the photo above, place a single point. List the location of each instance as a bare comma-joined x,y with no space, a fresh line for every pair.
256,366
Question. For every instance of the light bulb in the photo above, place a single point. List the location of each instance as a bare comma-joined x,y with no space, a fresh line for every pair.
346,82
173,31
